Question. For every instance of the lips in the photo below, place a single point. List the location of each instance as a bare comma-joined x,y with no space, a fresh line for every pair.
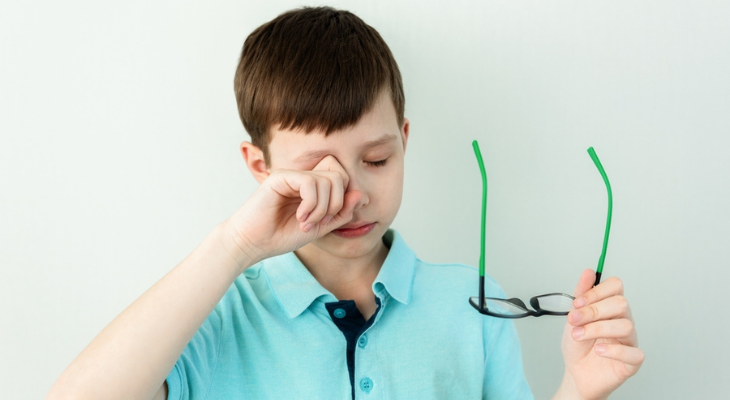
354,230
354,225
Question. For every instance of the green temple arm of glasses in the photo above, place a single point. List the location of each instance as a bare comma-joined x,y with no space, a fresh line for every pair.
478,153
596,161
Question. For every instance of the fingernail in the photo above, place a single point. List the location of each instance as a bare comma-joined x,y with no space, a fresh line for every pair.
601,348
326,220
580,302
575,316
578,332
308,227
304,217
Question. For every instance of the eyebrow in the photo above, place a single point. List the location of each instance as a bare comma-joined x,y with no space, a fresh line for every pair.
314,154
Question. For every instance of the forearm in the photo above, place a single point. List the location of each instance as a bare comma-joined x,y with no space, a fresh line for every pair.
132,356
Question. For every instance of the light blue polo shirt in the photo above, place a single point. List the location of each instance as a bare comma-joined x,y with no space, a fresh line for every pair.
271,337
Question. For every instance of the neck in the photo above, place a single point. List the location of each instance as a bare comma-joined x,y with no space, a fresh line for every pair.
346,278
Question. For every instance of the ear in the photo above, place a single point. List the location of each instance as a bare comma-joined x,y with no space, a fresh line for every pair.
404,132
255,161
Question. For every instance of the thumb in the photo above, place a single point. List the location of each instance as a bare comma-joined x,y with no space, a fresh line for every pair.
585,283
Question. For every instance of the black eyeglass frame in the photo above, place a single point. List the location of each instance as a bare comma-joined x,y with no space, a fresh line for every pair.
534,302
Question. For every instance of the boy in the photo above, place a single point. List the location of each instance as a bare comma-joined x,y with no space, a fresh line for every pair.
304,292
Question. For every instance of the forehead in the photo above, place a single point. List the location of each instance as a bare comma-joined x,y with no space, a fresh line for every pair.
377,129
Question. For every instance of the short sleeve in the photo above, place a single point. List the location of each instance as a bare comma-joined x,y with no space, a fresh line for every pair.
192,374
504,375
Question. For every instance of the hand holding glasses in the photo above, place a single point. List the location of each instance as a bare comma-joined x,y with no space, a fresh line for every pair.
546,304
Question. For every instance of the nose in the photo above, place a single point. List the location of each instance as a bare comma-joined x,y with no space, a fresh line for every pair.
355,183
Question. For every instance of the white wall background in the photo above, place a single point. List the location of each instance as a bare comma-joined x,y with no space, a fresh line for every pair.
118,153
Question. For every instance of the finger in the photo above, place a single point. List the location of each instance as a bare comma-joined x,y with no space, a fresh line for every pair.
621,329
610,308
610,287
633,357
307,188
330,163
323,199
336,193
345,215
331,168
585,283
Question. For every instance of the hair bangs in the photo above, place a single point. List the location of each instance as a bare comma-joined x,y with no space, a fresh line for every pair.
313,69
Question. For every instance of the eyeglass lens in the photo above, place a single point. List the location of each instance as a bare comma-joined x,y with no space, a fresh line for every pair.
556,302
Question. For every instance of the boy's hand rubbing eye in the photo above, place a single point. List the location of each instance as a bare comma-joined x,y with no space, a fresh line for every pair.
321,208
291,208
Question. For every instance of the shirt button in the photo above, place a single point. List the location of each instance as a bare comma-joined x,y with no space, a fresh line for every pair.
366,385
363,341
340,313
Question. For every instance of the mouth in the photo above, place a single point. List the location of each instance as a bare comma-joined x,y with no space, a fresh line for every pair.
354,230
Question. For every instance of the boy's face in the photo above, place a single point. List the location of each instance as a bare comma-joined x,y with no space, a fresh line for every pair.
371,152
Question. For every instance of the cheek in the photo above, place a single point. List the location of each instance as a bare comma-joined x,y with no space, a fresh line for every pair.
390,192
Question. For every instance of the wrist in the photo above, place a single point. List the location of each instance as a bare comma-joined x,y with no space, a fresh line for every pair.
568,390
237,246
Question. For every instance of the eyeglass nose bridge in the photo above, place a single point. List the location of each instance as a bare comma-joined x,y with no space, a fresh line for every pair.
535,303
519,303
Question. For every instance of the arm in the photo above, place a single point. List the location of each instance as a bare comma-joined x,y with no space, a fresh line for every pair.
599,341
133,355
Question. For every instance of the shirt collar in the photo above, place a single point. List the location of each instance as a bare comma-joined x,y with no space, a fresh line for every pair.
295,289
396,274
292,284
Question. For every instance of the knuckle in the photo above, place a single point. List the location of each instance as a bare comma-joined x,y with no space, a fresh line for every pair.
338,179
308,179
592,295
323,203
593,311
620,285
334,208
614,351
622,327
593,331
317,214
628,326
617,283
623,304
324,184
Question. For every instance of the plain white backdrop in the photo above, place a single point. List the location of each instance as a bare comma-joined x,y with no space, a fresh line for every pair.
119,152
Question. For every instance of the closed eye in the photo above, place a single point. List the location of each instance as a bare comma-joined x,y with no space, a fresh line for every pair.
378,163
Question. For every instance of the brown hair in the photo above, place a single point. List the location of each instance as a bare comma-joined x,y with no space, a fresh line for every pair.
313,68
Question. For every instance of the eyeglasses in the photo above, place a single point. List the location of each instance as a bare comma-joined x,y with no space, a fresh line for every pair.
546,304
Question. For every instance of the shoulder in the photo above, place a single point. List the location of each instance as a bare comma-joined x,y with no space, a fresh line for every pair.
453,278
246,292
448,278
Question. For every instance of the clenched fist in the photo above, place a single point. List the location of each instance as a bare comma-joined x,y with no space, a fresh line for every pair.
292,208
